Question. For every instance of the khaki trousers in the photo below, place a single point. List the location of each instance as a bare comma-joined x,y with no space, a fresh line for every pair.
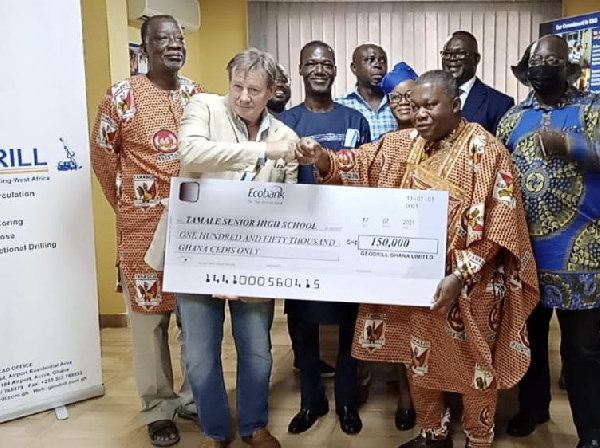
152,368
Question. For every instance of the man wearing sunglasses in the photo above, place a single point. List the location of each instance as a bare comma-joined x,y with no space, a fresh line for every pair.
480,103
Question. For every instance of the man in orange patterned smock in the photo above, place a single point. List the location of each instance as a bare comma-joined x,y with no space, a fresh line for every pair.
134,155
473,340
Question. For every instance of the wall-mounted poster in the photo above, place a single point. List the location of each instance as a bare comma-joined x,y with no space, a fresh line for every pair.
138,63
582,33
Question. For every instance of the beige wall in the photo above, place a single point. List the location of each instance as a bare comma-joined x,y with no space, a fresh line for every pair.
106,33
106,61
574,7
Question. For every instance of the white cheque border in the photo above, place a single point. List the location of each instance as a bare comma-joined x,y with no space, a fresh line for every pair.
385,246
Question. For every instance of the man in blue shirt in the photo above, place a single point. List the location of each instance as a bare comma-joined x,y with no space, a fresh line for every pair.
554,138
336,127
369,65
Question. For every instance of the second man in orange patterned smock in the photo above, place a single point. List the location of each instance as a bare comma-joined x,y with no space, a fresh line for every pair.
134,155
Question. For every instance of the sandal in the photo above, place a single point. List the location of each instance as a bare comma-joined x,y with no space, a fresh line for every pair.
164,428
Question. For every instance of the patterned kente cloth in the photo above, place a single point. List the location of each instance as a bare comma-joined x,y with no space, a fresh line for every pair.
482,342
134,155
561,195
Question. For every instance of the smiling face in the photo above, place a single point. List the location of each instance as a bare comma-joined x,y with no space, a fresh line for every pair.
281,94
460,58
369,65
435,112
400,102
318,70
249,93
164,46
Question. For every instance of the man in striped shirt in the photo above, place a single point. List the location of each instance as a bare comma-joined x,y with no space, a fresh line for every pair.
369,65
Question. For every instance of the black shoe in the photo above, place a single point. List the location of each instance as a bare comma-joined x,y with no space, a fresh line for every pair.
350,421
426,442
524,423
405,419
593,443
304,419
326,370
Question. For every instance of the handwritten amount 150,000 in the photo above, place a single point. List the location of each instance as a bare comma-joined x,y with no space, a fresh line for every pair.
390,242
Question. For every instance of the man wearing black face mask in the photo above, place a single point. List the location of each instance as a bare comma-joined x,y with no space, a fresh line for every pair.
554,138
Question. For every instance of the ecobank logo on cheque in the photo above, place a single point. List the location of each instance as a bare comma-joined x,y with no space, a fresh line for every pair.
266,193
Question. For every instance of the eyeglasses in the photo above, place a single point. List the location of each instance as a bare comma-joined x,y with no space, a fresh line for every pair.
396,97
536,61
459,55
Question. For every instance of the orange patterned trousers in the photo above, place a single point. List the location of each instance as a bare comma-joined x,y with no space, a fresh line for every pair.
478,415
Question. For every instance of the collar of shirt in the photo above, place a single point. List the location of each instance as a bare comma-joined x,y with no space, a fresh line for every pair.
465,88
265,121
382,105
265,124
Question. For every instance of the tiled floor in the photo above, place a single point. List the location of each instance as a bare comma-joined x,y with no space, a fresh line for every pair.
112,421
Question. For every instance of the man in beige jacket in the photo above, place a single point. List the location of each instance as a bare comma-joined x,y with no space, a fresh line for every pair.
234,137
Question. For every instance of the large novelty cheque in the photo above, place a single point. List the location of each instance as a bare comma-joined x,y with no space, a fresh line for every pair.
313,242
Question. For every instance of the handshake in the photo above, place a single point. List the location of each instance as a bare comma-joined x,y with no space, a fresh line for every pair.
306,151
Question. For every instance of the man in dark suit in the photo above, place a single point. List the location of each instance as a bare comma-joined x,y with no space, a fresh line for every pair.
480,103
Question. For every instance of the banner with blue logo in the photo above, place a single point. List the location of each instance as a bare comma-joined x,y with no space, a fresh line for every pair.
582,33
50,350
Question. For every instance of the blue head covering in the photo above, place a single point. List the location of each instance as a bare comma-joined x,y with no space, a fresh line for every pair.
401,72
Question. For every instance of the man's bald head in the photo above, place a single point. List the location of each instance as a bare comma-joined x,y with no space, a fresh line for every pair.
358,51
551,44
369,64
